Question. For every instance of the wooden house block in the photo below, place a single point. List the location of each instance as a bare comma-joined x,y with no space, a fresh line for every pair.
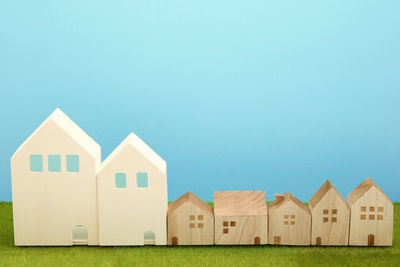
289,221
54,185
330,217
371,222
241,218
132,196
190,221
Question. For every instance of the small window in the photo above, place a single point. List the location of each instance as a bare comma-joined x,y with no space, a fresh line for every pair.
200,225
286,216
334,211
192,225
380,209
380,217
286,223
292,223
225,223
326,211
200,217
292,216
371,208
372,217
233,223
363,208
120,180
72,163
54,162
363,217
192,217
225,230
325,219
36,163
334,219
142,179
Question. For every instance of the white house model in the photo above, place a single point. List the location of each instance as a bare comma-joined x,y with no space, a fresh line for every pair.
54,185
132,196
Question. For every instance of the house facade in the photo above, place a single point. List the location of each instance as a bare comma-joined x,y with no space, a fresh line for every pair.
53,177
190,221
330,217
289,221
241,218
371,222
132,196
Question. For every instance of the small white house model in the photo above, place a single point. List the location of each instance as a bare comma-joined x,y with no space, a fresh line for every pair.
132,196
54,185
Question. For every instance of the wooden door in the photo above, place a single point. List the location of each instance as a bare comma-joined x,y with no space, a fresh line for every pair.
371,240
257,240
318,241
174,241
277,240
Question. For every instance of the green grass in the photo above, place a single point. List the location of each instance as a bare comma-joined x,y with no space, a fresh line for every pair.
193,256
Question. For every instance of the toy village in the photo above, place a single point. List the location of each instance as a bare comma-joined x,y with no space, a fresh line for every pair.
64,195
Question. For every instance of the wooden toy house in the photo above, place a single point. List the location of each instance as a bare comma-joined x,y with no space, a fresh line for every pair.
330,217
132,196
371,222
53,177
241,217
190,221
289,221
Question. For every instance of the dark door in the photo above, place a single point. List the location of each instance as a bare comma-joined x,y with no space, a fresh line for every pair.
277,240
371,240
318,241
174,241
257,240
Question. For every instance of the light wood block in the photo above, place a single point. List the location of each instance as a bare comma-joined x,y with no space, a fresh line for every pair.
190,221
241,218
330,217
371,222
289,221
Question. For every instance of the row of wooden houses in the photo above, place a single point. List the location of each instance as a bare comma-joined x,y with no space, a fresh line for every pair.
244,218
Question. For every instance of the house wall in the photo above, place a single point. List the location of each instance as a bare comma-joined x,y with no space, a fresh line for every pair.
187,230
381,229
333,229
297,234
126,213
47,205
244,232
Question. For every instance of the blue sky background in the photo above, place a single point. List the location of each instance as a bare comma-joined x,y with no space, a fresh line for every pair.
234,95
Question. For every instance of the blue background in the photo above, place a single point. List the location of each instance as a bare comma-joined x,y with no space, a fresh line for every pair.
234,95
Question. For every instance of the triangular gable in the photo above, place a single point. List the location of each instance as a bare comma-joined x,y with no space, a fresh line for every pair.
322,191
286,198
363,188
195,200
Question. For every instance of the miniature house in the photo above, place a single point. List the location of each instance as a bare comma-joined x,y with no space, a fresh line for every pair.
289,221
241,217
132,196
190,221
54,185
371,222
330,217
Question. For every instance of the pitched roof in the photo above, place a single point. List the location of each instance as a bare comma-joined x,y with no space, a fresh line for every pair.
142,148
322,192
286,198
190,197
73,130
240,203
362,189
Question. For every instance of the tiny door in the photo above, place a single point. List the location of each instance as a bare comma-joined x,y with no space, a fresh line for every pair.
277,240
371,240
318,241
257,240
174,241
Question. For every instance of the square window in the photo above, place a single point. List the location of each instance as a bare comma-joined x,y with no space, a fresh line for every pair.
363,208
72,163
120,180
192,225
334,219
192,217
325,219
225,230
372,217
292,216
326,211
286,223
380,217
36,163
363,217
380,209
233,223
292,223
200,217
371,208
225,223
334,211
286,216
142,179
54,162
200,225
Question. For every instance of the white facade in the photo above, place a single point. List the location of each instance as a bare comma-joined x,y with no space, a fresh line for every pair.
132,196
54,185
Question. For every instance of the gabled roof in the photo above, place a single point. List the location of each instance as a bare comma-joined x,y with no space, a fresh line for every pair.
322,192
72,129
278,202
142,148
362,189
190,197
240,203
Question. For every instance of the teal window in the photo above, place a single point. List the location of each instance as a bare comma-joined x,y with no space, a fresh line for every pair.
54,163
120,180
36,162
72,163
142,179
